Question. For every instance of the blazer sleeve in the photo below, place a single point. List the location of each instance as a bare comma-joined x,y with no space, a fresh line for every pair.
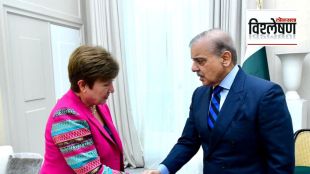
276,132
73,137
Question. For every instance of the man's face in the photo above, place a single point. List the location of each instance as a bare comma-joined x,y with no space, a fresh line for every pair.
208,66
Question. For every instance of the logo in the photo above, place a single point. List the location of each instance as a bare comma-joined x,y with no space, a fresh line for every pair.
271,27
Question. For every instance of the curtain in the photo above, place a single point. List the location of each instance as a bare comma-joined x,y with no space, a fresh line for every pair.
156,35
228,15
104,30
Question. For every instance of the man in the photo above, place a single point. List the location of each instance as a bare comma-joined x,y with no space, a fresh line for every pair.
242,122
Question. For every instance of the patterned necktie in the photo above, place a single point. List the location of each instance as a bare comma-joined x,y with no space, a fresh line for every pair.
214,108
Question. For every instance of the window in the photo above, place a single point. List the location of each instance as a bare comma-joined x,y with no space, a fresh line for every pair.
156,35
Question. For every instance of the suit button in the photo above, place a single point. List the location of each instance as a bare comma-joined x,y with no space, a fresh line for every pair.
223,167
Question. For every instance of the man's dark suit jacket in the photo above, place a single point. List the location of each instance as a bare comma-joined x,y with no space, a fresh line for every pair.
252,135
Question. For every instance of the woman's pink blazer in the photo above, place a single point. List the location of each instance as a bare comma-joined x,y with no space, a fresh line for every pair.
75,141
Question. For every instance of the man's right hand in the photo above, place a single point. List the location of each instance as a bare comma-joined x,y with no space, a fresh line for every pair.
151,172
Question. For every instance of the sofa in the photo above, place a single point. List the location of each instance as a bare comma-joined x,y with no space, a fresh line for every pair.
19,163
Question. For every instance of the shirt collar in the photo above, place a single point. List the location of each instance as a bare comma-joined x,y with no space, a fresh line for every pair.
229,79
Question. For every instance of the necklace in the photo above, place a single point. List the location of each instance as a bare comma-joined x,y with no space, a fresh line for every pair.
93,109
96,114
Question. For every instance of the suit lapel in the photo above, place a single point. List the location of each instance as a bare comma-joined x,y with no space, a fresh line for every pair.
203,110
228,111
102,130
95,122
113,130
108,121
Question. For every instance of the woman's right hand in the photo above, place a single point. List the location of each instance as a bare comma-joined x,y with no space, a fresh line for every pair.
151,172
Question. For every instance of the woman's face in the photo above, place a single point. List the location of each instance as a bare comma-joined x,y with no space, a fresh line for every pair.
98,94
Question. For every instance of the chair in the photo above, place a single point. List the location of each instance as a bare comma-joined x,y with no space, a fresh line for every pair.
5,152
302,151
19,163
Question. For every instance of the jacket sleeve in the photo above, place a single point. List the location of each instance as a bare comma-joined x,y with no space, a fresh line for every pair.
73,137
276,131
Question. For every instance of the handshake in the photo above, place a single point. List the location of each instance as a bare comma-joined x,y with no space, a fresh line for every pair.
144,172
151,172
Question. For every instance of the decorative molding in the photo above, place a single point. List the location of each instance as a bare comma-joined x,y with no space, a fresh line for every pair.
43,13
292,72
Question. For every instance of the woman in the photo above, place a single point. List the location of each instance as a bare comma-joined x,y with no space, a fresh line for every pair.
80,136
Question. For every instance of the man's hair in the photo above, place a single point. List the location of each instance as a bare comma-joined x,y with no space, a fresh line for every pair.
91,63
220,40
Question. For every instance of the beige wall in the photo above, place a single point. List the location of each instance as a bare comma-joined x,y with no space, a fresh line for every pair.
303,28
303,35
